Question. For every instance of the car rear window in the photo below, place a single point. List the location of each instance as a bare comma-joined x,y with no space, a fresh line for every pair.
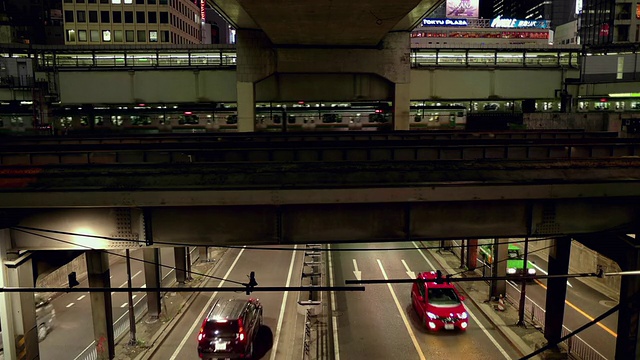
217,328
443,296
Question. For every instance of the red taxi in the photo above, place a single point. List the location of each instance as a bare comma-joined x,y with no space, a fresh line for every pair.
439,306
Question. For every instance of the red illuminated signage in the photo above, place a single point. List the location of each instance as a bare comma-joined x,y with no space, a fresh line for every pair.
203,16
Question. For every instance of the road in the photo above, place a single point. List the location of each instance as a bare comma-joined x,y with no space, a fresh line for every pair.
582,305
279,332
73,331
380,323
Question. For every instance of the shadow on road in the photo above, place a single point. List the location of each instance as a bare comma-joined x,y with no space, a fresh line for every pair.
263,342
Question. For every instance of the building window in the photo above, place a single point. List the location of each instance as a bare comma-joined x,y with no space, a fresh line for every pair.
104,1
92,1
104,17
140,2
164,17
116,2
140,17
153,36
163,2
129,35
95,36
142,36
68,1
153,17
81,16
71,35
79,1
165,36
117,36
128,1
151,2
128,17
117,17
82,35
106,35
68,16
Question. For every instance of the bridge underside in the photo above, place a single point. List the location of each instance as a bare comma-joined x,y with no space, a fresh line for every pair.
319,223
325,22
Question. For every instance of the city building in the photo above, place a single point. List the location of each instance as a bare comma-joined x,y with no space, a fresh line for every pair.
33,22
610,23
104,22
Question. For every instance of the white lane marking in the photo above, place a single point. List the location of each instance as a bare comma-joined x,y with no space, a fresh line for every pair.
126,282
70,305
334,318
199,318
133,296
123,305
423,256
546,273
402,315
484,330
81,297
85,349
274,349
410,273
143,286
136,274
357,272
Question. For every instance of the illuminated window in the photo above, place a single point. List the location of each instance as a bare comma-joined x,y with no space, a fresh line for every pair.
128,1
106,35
95,36
71,35
82,35
153,36
116,2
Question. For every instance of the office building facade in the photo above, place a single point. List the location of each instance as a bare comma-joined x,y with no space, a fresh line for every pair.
113,22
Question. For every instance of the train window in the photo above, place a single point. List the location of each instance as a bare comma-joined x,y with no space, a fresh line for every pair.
232,119
140,120
99,120
277,119
84,121
17,121
116,120
291,119
635,105
189,120
331,118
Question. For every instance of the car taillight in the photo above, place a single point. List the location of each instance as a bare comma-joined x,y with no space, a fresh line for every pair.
201,333
240,330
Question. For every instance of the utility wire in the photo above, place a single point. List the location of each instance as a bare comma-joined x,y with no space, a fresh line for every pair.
132,258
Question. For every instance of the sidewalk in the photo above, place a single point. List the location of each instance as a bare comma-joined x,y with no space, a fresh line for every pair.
526,339
151,334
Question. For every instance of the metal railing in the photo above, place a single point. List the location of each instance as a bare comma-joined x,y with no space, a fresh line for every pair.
120,326
575,345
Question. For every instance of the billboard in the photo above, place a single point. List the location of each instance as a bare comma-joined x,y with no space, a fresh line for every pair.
462,8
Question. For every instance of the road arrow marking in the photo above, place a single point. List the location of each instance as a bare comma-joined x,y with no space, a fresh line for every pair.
411,274
357,272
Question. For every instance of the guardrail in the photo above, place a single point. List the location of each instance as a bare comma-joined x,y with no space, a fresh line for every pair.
410,150
575,345
120,326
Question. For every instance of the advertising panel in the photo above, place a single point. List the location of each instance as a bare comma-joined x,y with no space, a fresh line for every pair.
462,8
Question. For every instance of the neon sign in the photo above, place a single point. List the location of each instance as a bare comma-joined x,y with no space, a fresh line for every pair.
519,24
445,22
203,14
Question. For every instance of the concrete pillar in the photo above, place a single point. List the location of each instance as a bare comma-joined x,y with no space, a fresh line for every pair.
246,106
20,274
629,313
6,308
559,254
472,253
101,307
152,278
181,264
401,106
499,266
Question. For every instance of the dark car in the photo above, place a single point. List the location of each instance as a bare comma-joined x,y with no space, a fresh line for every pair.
229,329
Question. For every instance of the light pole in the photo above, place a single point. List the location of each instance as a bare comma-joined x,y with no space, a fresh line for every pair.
132,316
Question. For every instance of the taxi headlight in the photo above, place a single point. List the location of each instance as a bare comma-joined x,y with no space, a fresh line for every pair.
531,271
511,271
431,315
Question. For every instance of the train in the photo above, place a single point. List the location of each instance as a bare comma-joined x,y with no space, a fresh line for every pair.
21,118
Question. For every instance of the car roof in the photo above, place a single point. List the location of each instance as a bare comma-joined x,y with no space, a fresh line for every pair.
227,309
431,275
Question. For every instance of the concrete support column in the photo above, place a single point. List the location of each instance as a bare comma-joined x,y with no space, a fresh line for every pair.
401,106
629,313
6,308
101,307
20,274
180,256
246,106
499,266
152,277
472,253
559,254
